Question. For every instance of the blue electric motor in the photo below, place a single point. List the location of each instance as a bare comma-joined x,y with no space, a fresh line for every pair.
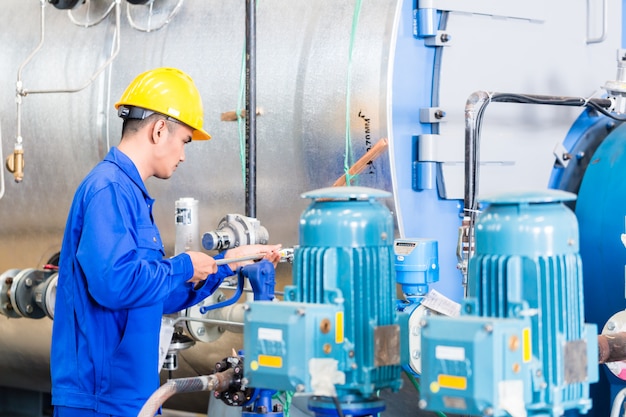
521,347
338,323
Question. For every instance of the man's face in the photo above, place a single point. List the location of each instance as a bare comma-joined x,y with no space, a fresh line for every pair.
171,150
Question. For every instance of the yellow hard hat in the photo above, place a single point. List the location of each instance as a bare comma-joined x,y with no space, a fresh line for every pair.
168,91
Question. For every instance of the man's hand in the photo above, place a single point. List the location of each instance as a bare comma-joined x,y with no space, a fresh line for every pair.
203,266
270,253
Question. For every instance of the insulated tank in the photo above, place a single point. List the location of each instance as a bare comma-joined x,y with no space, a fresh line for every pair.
305,53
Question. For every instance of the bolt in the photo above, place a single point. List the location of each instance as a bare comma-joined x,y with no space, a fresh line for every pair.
445,37
300,312
580,155
567,156
28,282
300,388
9,281
440,114
422,404
246,307
261,409
351,354
201,331
488,327
29,308
417,354
383,236
610,326
488,411
423,323
278,408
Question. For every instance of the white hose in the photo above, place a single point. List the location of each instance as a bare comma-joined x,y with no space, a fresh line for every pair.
618,402
176,386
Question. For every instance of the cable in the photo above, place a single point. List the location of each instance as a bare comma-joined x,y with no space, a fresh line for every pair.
88,24
167,20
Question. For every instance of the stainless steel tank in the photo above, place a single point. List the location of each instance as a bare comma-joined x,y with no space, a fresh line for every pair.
308,53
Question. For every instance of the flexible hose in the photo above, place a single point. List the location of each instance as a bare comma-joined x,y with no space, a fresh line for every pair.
177,386
618,402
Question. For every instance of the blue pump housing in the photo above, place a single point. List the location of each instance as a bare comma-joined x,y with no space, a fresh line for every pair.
526,271
346,245
340,312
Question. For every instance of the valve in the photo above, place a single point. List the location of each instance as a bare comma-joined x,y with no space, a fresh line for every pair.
238,393
235,230
15,163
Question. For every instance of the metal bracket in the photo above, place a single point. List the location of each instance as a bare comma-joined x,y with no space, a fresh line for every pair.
442,38
562,155
432,115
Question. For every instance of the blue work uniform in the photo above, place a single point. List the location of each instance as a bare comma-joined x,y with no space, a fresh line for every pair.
114,286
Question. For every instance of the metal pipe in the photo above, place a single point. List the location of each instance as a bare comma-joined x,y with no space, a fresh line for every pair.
474,110
251,108
25,92
611,347
19,84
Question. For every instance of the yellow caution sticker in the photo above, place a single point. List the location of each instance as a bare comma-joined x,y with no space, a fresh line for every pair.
339,327
527,348
270,361
452,382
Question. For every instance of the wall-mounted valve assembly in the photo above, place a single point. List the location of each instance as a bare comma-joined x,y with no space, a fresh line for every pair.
235,230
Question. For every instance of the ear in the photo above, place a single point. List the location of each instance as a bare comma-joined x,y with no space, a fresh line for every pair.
158,130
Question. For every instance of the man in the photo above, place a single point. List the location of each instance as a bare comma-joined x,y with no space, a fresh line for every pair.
114,285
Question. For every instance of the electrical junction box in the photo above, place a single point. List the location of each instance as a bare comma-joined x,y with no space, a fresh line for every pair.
476,365
290,345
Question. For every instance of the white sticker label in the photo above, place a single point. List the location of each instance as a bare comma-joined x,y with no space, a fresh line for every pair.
441,304
453,353
265,333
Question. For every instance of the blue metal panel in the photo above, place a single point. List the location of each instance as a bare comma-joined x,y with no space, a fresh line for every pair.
280,339
475,365
413,72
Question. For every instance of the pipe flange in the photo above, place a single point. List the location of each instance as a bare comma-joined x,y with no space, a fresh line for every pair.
203,331
6,281
23,293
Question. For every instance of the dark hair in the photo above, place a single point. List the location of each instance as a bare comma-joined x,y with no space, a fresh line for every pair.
134,125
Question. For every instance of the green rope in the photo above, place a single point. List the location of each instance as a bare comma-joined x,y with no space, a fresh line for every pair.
348,156
286,402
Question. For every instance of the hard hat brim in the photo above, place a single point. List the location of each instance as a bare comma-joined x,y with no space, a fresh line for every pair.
200,134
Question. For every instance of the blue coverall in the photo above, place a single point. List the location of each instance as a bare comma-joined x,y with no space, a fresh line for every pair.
114,286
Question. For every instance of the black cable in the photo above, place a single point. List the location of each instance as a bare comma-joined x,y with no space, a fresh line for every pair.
338,406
